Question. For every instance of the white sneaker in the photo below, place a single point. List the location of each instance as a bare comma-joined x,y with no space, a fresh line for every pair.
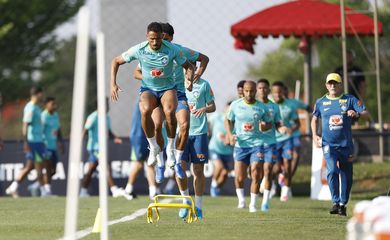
118,192
171,159
241,204
152,159
12,190
252,209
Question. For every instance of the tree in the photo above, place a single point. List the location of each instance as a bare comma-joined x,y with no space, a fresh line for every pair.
27,40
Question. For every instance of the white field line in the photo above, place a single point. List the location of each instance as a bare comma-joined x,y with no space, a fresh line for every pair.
138,213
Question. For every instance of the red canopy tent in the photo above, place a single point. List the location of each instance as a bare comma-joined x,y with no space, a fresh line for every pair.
306,19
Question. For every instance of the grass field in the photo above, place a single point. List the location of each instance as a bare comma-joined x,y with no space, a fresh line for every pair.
300,218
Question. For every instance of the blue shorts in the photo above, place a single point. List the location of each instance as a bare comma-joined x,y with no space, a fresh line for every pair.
139,148
284,149
157,94
297,141
52,156
225,158
93,156
249,155
182,101
196,150
37,152
270,153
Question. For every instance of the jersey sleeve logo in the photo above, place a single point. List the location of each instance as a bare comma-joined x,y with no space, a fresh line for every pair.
155,72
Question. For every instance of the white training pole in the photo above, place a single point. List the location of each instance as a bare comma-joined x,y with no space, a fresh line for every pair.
103,134
297,89
76,138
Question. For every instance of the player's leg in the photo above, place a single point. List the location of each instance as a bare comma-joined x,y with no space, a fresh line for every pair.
169,104
199,158
269,158
92,165
115,190
147,103
182,183
218,171
346,173
287,157
158,119
296,154
257,162
13,188
241,163
183,119
331,157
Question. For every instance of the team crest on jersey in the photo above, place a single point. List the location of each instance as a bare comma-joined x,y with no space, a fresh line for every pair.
335,122
164,60
155,72
343,105
256,116
195,94
248,127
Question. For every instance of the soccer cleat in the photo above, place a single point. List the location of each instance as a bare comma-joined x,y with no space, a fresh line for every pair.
284,198
215,192
84,193
118,192
130,196
12,190
199,213
241,204
342,210
171,159
160,174
179,171
152,159
252,209
265,207
335,209
183,213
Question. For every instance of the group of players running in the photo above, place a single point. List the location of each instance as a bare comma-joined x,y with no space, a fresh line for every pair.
259,132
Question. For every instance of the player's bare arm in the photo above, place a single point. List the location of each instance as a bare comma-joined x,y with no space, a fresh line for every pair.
138,73
116,62
190,69
210,107
314,128
204,60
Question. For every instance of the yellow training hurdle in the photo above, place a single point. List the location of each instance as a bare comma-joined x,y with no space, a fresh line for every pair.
191,208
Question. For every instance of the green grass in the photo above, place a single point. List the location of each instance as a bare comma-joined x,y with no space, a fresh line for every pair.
300,218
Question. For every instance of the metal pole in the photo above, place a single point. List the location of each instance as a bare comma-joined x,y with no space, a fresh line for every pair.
307,81
344,46
103,135
76,138
378,82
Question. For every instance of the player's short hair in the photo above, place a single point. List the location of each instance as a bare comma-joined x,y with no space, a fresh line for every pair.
35,90
167,28
263,80
229,102
241,83
154,27
278,84
49,99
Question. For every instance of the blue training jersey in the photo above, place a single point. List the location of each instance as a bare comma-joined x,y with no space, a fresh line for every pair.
156,65
199,97
178,74
218,134
297,104
32,115
336,125
51,126
247,118
92,126
288,115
